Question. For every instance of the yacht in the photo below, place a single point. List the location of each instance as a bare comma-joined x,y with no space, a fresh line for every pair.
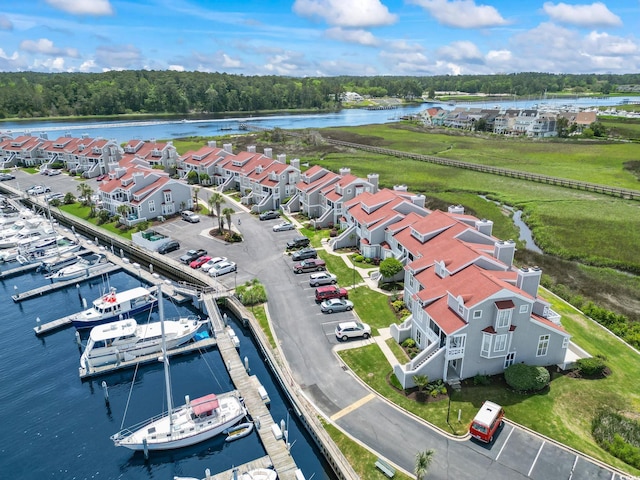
83,267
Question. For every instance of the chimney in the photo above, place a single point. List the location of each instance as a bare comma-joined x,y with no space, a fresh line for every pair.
251,149
373,180
268,152
282,158
528,280
505,251
484,226
295,163
418,200
227,147
212,144
456,209
344,171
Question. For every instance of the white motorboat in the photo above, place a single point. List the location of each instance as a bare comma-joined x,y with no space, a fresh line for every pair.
196,421
61,260
259,474
126,340
83,267
115,306
32,231
48,249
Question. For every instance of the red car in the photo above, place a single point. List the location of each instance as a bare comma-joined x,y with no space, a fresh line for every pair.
99,178
198,262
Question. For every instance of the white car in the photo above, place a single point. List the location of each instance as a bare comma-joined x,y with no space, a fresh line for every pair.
347,330
38,190
283,227
210,263
222,268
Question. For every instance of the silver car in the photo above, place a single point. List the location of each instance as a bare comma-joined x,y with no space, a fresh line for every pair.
336,305
222,268
322,278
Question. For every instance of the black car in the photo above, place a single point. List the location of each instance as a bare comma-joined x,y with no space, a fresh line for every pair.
170,246
304,254
191,255
269,215
298,242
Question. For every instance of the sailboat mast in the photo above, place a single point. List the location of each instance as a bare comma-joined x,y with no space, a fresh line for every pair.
165,358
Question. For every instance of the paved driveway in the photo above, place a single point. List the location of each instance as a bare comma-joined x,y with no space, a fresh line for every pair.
307,341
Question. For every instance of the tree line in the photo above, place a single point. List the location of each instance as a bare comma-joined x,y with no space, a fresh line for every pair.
34,94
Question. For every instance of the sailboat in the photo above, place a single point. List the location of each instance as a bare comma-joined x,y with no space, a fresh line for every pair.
196,421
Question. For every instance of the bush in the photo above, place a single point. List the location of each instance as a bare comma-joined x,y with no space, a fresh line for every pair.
591,367
232,237
358,258
409,343
526,378
481,380
618,435
333,233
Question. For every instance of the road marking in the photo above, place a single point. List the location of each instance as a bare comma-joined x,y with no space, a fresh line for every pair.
505,443
352,407
536,459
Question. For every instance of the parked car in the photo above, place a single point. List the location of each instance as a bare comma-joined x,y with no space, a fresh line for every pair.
53,196
102,177
329,292
191,255
198,262
207,266
336,305
38,190
347,330
298,242
6,176
170,246
304,253
310,265
283,227
190,216
222,268
486,422
269,215
322,278
53,172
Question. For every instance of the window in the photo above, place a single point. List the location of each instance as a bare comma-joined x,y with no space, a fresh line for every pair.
543,345
565,342
486,345
524,308
152,206
500,345
509,359
504,318
418,337
167,197
477,314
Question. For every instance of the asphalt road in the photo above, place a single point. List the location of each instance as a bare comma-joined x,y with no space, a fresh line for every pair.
306,338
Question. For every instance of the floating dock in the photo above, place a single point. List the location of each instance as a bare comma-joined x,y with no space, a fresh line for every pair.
18,270
262,462
108,268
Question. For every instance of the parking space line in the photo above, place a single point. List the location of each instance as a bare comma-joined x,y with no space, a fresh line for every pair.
352,407
536,459
505,443
573,467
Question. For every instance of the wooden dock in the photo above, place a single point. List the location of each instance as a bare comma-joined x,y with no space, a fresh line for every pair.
262,462
153,357
49,327
18,270
108,268
276,449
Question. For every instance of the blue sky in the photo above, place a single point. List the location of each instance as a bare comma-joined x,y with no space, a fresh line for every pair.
321,37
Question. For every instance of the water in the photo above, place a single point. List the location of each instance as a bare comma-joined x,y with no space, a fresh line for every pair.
163,129
56,426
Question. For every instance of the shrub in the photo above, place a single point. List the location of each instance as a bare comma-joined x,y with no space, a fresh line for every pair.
409,343
591,367
333,233
397,305
618,435
481,380
232,237
526,378
358,258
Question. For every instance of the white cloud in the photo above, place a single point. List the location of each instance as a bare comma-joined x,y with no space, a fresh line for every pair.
176,68
462,13
118,57
51,64
605,44
595,15
461,50
287,63
403,46
352,13
332,68
83,7
5,23
4,56
497,57
361,37
406,63
229,62
88,66
46,47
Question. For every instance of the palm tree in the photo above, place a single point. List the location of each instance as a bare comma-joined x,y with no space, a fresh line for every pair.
85,191
227,212
196,191
423,462
215,201
123,210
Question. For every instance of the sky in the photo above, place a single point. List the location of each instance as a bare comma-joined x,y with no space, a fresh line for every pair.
317,38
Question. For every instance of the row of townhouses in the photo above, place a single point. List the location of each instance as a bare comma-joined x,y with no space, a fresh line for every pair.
472,311
518,122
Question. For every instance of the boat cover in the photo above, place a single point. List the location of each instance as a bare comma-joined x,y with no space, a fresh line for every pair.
205,404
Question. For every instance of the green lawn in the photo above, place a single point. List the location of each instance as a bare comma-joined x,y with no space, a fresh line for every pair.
83,212
336,265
